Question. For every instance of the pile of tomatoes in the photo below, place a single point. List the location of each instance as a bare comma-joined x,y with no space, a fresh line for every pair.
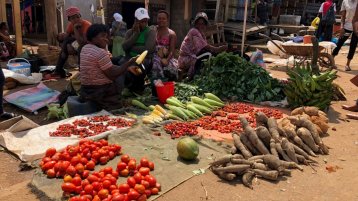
103,185
79,159
90,126
178,129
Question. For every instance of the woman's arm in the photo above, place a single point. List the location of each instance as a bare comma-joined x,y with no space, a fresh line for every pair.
172,44
115,71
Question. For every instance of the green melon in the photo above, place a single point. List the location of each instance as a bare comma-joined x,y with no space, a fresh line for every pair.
187,148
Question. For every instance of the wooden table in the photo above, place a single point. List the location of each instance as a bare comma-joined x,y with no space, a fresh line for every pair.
285,27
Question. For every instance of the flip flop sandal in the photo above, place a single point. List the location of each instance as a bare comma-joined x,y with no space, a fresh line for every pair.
6,115
352,116
347,68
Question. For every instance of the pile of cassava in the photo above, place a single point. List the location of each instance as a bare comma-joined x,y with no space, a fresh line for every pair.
273,148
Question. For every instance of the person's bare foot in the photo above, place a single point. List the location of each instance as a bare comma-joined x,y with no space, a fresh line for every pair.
352,116
353,108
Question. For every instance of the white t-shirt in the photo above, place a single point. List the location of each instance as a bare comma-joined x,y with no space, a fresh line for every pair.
321,8
350,7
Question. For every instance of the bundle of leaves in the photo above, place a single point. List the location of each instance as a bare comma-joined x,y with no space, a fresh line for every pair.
184,91
230,76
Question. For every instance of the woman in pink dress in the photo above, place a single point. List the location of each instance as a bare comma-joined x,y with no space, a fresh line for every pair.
164,63
194,45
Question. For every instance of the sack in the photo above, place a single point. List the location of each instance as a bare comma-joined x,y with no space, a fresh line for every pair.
330,17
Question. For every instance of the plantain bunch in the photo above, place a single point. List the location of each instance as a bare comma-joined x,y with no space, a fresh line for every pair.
307,89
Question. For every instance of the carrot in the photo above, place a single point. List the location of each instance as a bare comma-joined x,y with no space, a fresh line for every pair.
270,175
272,125
288,148
306,136
247,179
261,119
254,139
264,135
281,152
245,140
259,166
273,148
240,146
238,169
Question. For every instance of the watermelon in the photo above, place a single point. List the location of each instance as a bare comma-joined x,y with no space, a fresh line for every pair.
187,148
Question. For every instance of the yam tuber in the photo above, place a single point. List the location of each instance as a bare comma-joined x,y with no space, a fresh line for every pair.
259,166
291,165
225,159
288,148
275,163
247,179
245,140
285,172
306,136
272,125
273,148
310,110
323,116
254,139
320,123
237,169
297,111
233,150
270,175
240,146
226,176
264,135
261,119
241,161
281,152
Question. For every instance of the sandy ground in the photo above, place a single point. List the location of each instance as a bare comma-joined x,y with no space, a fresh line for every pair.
306,185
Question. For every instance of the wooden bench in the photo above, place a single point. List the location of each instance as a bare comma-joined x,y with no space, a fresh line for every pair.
289,23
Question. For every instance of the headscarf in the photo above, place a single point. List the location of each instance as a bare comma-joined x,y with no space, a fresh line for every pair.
118,17
72,11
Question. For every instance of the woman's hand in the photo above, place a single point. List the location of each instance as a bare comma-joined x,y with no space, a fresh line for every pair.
135,70
342,32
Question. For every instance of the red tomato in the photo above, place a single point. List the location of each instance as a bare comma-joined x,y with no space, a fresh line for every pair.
85,174
148,192
144,171
151,180
112,188
46,159
108,170
88,189
50,152
139,188
103,160
121,166
151,166
111,155
92,178
71,170
118,197
106,184
96,198
65,156
73,150
125,158
56,157
115,174
145,184
76,181
90,165
131,182
78,189
67,178
103,142
51,173
83,198
133,195
80,168
124,188
154,191
75,160
96,155
97,186
84,161
48,165
68,187
142,198
144,162
131,164
64,165
85,182
138,177
103,193
158,186
124,173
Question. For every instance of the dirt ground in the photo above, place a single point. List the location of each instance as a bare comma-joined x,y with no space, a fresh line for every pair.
310,184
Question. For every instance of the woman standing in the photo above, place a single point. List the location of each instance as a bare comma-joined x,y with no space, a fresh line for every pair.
119,29
194,45
164,63
347,11
325,28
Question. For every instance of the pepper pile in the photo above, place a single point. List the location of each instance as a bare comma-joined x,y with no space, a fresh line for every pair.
178,129
90,126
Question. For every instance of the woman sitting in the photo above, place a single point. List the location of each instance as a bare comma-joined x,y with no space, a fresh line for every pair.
5,38
97,71
164,63
194,45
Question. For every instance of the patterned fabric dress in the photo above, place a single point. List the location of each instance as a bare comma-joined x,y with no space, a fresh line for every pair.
159,71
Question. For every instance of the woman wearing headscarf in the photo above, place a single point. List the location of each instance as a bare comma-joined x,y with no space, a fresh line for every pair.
119,29
194,45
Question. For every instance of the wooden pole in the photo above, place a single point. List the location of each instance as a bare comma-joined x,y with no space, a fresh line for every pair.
102,11
51,21
3,10
244,29
227,3
146,4
18,23
217,11
186,9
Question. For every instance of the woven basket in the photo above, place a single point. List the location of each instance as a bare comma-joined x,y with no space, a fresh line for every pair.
49,54
300,50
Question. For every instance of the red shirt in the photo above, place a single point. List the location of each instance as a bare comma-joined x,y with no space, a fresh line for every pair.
85,25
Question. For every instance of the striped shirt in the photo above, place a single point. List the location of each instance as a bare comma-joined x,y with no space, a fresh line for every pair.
94,61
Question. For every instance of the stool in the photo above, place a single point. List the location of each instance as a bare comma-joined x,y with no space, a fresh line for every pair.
76,107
